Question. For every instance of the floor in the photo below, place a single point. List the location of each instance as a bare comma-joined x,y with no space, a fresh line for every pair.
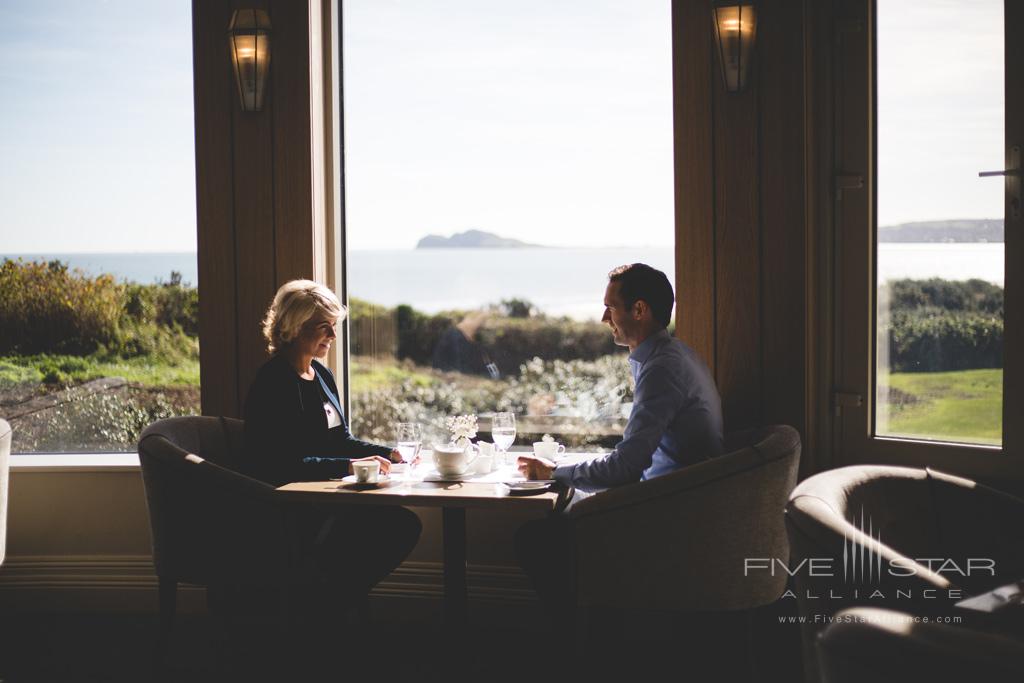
86,648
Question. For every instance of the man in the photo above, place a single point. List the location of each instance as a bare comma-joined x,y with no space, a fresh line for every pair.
676,421
677,416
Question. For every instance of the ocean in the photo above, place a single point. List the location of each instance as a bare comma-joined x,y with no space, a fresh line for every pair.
558,281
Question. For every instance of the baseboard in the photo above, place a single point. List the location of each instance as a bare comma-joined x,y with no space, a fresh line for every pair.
127,584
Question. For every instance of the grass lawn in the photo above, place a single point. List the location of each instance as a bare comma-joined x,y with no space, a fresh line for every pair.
73,369
966,405
367,373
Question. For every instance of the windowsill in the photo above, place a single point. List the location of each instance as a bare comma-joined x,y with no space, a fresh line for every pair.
75,462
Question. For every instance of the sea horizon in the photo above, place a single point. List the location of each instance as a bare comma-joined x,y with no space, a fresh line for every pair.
557,280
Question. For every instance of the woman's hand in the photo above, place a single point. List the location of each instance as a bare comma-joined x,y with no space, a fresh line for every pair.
385,464
397,457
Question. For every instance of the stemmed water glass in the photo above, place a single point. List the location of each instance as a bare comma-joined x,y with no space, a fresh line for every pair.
408,439
503,431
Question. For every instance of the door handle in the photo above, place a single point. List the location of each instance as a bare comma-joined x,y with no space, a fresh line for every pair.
1013,182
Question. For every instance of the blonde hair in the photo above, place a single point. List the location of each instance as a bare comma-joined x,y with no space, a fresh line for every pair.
294,305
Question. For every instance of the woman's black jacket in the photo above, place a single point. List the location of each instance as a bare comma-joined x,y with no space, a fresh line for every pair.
286,439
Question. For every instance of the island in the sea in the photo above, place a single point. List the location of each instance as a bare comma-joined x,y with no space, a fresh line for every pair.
964,230
471,239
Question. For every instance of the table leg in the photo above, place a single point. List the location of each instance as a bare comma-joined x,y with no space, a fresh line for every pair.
454,530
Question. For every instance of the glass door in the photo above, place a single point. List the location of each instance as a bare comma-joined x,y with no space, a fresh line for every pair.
939,250
927,124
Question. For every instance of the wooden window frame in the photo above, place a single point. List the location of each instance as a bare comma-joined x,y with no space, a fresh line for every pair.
854,174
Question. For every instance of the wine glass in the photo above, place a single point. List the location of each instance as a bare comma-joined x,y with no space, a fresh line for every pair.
503,431
408,439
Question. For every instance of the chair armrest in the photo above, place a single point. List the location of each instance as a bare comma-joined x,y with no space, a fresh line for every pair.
884,645
690,477
166,456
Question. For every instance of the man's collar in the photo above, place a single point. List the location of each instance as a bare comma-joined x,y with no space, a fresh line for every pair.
647,346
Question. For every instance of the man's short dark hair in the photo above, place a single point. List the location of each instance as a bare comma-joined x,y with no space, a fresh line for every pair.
638,281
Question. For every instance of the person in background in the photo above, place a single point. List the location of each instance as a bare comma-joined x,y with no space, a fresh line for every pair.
295,430
676,420
458,349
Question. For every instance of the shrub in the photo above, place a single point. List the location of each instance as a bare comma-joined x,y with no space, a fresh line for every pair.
590,390
938,325
169,304
950,341
514,341
944,295
510,341
46,308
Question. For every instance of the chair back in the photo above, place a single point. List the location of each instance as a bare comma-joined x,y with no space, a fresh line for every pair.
209,523
680,541
5,466
867,525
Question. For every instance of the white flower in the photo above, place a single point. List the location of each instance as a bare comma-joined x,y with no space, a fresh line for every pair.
462,428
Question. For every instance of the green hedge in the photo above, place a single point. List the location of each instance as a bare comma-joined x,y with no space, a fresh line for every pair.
932,325
940,325
510,341
937,343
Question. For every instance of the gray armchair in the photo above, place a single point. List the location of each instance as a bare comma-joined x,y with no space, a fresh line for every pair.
688,532
5,464
884,646
211,526
872,524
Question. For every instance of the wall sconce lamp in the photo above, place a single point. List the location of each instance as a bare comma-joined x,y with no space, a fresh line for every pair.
249,36
735,28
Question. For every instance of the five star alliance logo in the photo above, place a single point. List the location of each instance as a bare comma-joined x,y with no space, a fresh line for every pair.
862,560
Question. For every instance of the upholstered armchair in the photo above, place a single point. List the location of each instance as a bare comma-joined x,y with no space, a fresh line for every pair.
687,534
211,525
915,540
5,459
885,646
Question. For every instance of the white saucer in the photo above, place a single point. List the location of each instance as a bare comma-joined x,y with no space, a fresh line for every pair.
351,482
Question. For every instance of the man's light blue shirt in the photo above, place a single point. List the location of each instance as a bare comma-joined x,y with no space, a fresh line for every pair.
676,419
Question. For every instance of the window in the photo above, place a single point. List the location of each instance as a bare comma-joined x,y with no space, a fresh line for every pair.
927,97
98,306
940,256
500,160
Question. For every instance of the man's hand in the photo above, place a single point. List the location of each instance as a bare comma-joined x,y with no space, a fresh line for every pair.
533,467
385,464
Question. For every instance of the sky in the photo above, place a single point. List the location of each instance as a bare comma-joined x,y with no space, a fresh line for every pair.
96,126
940,109
547,121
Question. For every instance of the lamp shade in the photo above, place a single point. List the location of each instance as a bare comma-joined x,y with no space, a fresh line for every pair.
735,28
249,37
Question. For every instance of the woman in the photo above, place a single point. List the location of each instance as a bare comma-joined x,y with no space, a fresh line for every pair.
295,431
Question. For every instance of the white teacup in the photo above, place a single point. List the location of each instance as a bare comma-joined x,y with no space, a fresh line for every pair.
366,471
548,449
452,461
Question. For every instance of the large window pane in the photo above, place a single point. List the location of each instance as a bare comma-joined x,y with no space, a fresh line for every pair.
940,240
545,123
98,306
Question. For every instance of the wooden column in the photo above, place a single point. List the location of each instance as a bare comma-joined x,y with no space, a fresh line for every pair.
740,213
261,186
